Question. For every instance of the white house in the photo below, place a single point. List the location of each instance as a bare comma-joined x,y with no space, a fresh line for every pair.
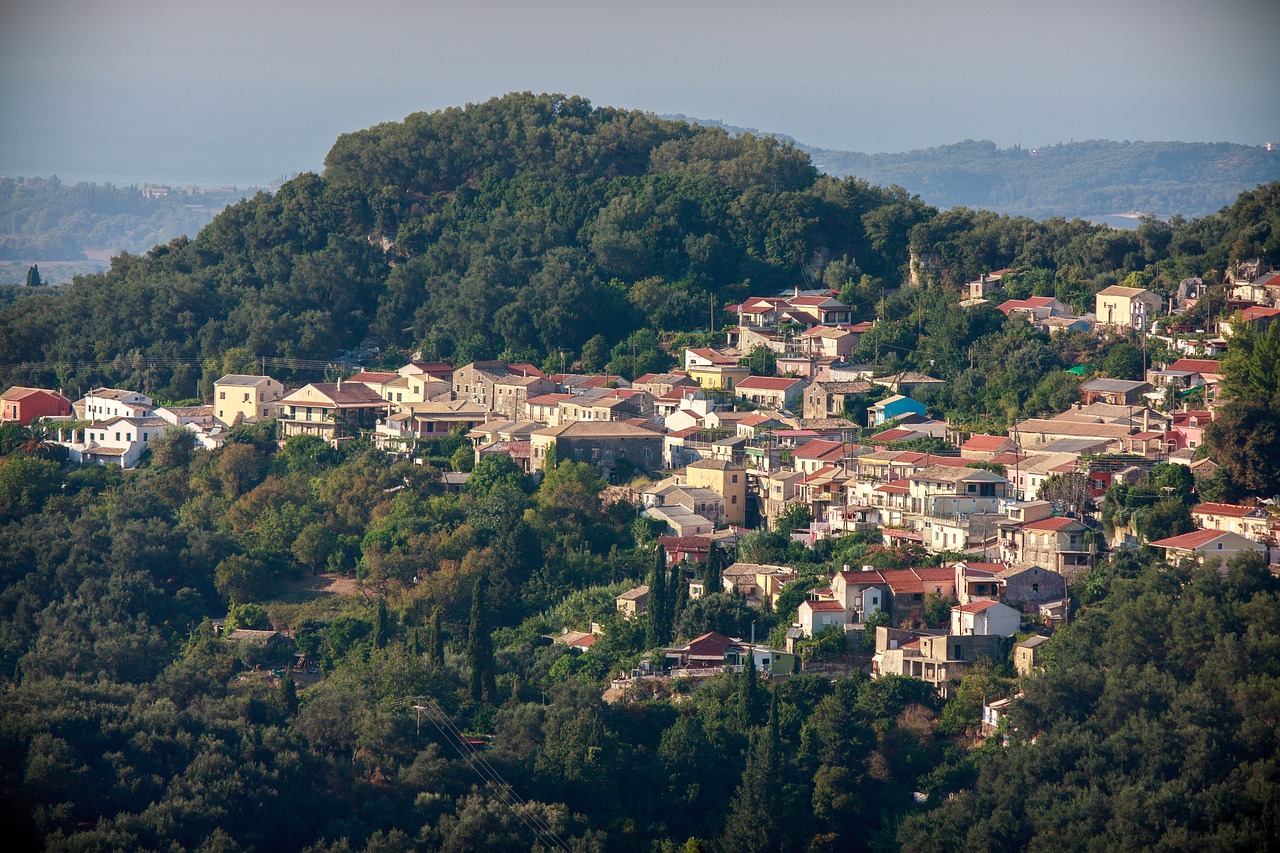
816,615
102,404
984,618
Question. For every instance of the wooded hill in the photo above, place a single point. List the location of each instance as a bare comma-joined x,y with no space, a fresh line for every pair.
528,227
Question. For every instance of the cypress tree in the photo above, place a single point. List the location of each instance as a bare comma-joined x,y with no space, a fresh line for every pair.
33,276
657,633
754,823
712,570
435,641
679,596
480,646
289,692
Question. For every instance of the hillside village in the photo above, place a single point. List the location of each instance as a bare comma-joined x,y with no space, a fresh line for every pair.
710,451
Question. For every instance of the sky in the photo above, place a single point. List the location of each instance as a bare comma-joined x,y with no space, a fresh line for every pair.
246,93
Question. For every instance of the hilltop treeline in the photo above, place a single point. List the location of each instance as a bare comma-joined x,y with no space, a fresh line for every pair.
528,227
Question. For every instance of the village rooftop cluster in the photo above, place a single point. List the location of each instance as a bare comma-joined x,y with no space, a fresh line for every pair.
724,451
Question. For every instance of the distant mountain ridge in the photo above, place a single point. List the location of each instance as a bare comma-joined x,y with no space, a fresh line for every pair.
1088,180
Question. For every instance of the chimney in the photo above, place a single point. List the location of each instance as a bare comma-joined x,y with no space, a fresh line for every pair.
1146,420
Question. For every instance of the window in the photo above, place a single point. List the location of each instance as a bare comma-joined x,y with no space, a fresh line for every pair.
222,395
735,478
118,438
735,501
246,397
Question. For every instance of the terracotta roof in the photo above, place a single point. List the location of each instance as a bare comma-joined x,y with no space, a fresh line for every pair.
634,593
1196,365
18,392
818,448
825,606
548,399
1229,510
974,606
685,543
377,378
895,434
1189,541
987,443
897,487
769,383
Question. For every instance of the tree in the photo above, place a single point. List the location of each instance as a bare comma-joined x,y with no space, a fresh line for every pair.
33,276
1123,361
754,822
480,646
435,641
658,629
1245,441
173,448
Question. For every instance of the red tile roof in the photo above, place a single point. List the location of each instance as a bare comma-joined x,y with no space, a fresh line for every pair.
818,448
685,543
1229,510
1189,541
825,606
974,606
985,443
769,383
1196,365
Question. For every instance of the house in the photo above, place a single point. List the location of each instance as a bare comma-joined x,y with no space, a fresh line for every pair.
771,392
116,441
702,501
892,407
1056,543
714,370
1035,308
705,651
474,382
511,391
1200,545
831,399
993,714
932,656
1118,392
1028,655
1032,587
436,370
985,618
985,447
238,398
606,444
834,342
21,405
331,410
101,404
633,602
814,616
1249,521
725,479
1127,307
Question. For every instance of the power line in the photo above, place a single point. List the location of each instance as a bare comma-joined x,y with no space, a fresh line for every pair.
482,768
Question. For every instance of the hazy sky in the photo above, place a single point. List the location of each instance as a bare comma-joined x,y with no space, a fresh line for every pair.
225,91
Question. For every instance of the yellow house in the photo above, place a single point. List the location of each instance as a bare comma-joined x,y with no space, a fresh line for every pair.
711,369
1127,307
250,398
727,480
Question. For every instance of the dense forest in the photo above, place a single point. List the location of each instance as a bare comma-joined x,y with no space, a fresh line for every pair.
435,711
